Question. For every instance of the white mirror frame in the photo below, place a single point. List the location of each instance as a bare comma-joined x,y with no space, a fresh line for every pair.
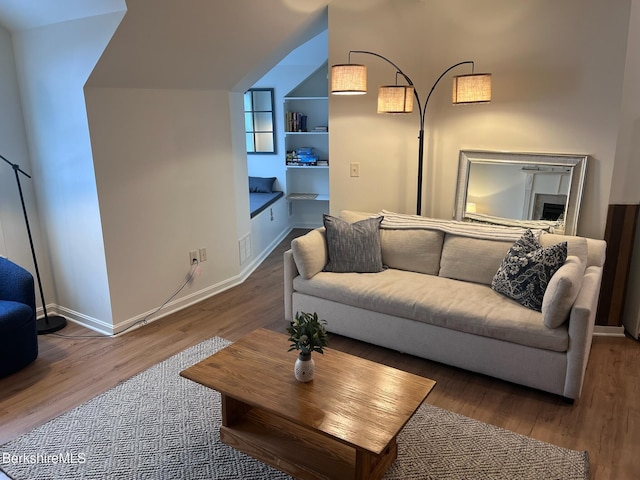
576,163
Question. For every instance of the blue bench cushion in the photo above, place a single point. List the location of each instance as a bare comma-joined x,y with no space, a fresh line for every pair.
260,201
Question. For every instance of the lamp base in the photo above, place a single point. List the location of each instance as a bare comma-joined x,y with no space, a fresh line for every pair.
50,324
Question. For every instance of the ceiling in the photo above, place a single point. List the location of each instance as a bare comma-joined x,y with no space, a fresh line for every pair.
203,44
16,15
186,44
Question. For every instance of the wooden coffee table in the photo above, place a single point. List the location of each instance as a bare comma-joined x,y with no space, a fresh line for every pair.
341,425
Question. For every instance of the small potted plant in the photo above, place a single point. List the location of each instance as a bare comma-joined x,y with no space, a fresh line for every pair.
308,334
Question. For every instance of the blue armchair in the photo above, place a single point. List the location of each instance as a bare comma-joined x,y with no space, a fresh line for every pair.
18,327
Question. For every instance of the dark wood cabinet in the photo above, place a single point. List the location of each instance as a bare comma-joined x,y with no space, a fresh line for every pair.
619,235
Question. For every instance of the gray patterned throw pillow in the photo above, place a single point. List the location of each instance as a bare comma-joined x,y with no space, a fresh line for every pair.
526,270
353,247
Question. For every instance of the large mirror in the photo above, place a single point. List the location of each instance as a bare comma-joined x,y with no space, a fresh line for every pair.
521,189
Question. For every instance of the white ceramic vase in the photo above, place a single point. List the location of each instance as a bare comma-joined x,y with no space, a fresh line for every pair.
304,368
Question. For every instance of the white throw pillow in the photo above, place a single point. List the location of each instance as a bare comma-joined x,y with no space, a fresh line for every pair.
562,292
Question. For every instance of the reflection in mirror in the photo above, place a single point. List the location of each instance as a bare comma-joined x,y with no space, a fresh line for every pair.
529,190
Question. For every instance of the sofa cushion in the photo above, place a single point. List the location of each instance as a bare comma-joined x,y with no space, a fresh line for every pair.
412,250
310,252
562,292
353,247
472,259
576,246
352,216
463,306
415,250
527,269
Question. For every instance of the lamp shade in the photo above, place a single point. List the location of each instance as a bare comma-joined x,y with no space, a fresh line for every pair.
349,79
395,99
474,88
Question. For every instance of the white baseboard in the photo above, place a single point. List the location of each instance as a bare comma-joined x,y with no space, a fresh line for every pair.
108,329
606,331
255,263
91,323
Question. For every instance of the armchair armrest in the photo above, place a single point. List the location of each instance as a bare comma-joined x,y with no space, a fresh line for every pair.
16,284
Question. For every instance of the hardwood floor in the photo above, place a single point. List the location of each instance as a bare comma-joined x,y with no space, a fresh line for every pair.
69,371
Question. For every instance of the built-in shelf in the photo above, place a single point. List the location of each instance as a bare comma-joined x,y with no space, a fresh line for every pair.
308,186
306,133
308,167
308,196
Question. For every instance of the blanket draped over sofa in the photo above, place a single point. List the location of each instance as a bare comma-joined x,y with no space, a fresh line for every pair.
434,299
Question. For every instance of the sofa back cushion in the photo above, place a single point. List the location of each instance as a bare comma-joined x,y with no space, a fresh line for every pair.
412,250
472,259
576,246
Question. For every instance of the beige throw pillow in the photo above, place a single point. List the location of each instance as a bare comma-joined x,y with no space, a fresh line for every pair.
310,252
562,292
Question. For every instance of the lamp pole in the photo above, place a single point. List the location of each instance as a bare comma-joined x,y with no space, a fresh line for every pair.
48,324
422,111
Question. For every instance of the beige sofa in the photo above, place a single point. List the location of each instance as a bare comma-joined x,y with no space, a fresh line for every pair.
434,300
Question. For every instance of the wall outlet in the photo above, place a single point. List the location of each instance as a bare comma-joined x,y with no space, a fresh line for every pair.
203,254
193,257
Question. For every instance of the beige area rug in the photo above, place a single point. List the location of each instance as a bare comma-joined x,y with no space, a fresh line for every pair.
158,425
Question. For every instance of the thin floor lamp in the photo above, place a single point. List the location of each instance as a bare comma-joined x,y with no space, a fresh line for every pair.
49,323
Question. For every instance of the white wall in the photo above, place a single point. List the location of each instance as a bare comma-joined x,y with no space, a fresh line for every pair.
164,161
557,80
53,64
14,241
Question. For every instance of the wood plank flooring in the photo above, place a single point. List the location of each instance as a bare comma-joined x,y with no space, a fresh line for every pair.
69,371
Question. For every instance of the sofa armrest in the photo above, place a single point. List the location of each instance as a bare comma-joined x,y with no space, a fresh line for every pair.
290,272
581,325
597,252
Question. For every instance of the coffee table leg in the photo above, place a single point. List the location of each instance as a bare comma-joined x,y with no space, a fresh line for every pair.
232,409
370,466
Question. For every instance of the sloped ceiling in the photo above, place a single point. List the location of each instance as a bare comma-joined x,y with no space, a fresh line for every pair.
204,44
16,15
183,44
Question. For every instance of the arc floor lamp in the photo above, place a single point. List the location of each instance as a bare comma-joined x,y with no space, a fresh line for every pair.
49,323
351,79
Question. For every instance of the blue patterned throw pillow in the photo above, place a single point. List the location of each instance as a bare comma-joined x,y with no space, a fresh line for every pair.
353,247
526,270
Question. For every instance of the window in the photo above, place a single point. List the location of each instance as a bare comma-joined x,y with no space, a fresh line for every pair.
259,120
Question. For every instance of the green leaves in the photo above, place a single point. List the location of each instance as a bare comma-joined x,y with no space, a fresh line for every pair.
307,333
